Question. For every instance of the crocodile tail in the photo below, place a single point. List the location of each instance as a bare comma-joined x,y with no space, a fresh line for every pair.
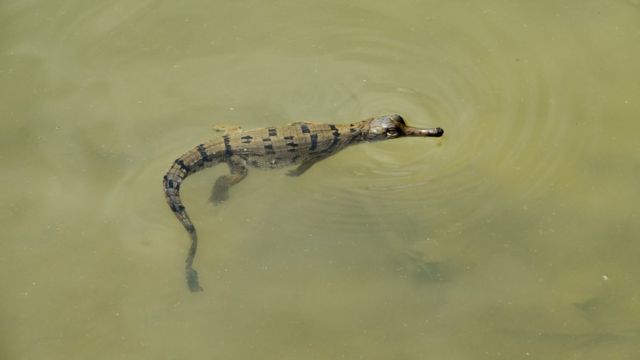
171,184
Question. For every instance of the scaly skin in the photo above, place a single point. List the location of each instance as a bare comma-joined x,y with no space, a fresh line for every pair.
301,144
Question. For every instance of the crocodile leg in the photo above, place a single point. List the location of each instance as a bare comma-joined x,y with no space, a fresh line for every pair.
238,168
306,164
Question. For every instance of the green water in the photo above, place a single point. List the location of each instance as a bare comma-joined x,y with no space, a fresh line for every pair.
515,236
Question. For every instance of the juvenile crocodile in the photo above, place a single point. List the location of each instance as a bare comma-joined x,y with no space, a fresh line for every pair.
302,144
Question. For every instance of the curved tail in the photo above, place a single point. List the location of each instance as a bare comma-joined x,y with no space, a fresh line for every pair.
171,181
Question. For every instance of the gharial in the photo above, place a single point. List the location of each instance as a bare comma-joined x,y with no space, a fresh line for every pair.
303,143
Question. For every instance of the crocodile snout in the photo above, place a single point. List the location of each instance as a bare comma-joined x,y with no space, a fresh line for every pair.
431,132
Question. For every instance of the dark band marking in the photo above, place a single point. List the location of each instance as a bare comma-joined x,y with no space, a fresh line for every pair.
268,146
176,207
227,146
305,128
291,146
288,137
247,139
336,137
273,132
184,167
203,152
268,149
204,157
314,142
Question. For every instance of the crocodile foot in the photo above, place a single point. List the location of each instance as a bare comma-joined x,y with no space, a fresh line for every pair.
219,195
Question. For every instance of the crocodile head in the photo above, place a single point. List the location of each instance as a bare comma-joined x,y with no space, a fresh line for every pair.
393,126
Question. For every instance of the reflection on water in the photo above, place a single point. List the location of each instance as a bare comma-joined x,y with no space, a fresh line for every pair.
514,236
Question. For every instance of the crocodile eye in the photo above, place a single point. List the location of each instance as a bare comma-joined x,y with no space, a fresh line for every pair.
392,132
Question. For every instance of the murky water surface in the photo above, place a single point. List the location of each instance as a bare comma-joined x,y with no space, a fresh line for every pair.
515,236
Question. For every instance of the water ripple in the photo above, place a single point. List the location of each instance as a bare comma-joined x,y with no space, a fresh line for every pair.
504,125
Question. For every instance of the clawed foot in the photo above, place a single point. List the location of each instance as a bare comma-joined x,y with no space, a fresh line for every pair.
218,197
220,191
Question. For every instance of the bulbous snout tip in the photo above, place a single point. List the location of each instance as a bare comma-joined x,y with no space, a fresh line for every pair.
437,132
